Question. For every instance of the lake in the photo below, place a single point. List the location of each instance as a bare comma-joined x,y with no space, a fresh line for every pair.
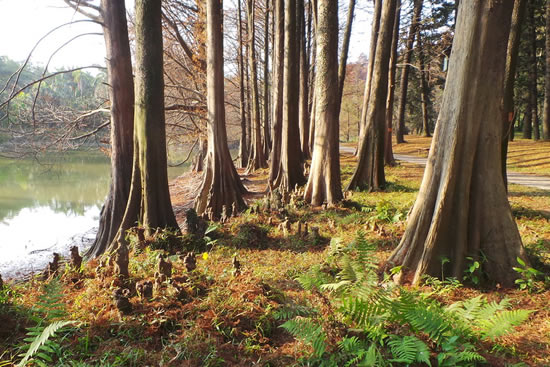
46,205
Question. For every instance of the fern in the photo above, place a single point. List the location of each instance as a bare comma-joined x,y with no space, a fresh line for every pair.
359,353
40,342
409,349
307,331
502,323
314,278
287,312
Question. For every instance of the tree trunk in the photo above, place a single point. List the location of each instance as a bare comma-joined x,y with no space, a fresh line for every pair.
388,150
344,54
150,197
243,152
198,160
121,94
400,126
304,80
462,209
424,92
221,184
528,123
370,68
291,171
324,178
369,173
546,119
508,116
267,137
257,158
277,97
533,73
312,73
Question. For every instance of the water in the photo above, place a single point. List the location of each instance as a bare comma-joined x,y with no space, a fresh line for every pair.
49,205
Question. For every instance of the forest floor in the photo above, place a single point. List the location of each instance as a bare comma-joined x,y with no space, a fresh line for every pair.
216,315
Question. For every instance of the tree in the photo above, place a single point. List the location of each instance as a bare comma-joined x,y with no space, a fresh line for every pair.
277,88
413,30
304,80
257,158
291,167
243,152
324,178
462,210
533,73
221,185
121,95
149,199
546,118
369,173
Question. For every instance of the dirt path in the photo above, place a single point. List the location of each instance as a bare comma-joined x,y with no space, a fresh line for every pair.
539,182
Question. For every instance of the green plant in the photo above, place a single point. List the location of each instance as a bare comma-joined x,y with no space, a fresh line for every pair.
471,273
529,279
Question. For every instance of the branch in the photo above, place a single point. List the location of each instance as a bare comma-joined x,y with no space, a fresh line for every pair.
188,155
91,132
82,3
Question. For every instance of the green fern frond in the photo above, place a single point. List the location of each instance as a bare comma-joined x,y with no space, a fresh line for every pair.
502,323
309,332
314,278
41,339
287,312
409,349
365,313
50,303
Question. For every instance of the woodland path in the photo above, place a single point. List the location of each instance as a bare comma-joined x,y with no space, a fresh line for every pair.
539,182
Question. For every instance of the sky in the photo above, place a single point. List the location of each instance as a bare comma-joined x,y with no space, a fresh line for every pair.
24,22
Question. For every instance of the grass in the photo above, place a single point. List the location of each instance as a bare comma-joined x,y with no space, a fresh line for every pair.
223,318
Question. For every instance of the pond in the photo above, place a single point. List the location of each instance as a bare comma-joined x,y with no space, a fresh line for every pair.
48,205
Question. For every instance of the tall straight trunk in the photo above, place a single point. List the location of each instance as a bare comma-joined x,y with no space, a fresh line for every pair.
546,119
324,178
533,72
248,104
344,54
369,173
528,123
403,85
277,89
243,152
221,184
267,134
424,89
312,73
388,150
508,115
150,196
462,210
304,80
291,171
257,158
370,67
121,95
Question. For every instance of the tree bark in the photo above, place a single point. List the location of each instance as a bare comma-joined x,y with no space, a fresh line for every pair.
400,126
533,73
344,54
277,97
304,80
424,92
267,137
388,150
546,119
324,178
257,158
369,173
221,184
312,73
508,116
291,170
243,152
462,209
121,95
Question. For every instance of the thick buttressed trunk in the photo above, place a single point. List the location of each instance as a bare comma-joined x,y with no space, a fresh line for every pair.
221,184
369,173
121,94
462,209
150,129
257,158
388,150
533,74
370,68
277,88
198,160
424,89
508,114
324,178
267,134
243,151
403,86
546,118
304,80
291,166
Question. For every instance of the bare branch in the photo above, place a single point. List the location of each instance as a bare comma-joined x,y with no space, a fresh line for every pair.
91,132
